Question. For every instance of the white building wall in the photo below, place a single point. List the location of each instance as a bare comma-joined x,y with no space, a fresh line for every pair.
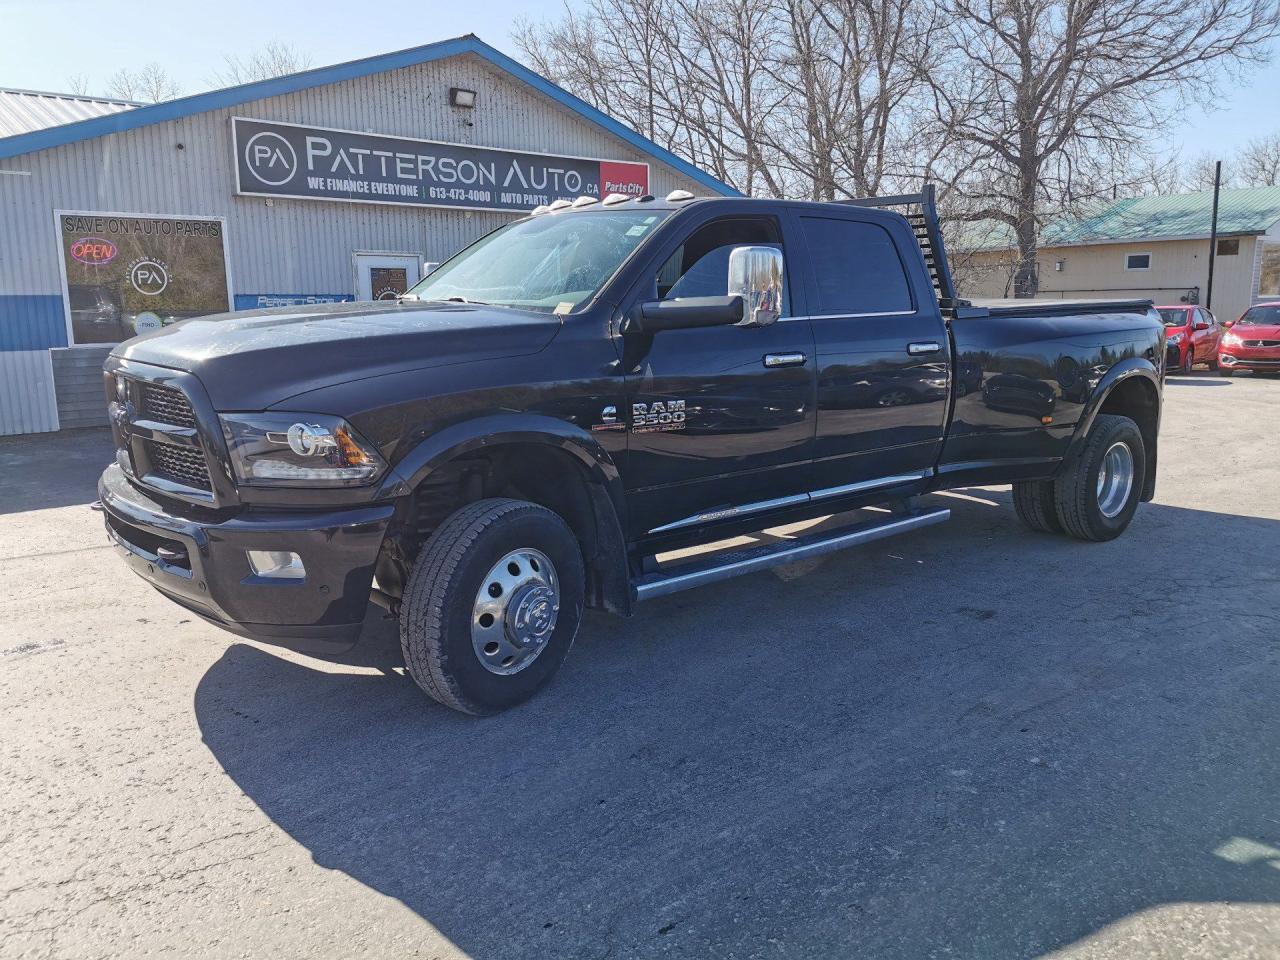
186,167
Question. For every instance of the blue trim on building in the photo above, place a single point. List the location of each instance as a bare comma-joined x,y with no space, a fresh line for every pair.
31,322
278,86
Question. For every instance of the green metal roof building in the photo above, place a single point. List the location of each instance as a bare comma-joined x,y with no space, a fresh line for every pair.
1146,246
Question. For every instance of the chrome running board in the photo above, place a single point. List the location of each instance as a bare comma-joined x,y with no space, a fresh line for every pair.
752,559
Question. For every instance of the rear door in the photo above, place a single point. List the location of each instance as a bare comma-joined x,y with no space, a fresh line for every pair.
883,367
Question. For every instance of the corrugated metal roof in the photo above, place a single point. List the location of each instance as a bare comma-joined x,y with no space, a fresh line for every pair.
1182,216
22,111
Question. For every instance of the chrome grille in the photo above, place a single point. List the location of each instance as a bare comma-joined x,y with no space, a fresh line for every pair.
165,405
180,464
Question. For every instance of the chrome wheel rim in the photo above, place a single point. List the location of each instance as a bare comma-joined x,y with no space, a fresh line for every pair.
515,611
1115,479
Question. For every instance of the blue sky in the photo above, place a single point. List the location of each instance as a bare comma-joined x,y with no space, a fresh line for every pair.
45,42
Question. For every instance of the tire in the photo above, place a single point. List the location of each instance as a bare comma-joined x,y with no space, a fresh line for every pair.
1213,361
1224,372
1033,500
1082,507
1188,361
446,648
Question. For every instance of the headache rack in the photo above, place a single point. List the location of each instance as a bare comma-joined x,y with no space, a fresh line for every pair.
921,211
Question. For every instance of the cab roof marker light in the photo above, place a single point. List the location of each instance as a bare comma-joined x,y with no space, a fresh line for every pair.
539,210
559,205
613,198
679,196
585,201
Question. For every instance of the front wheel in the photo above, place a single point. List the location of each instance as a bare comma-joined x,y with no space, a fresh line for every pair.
1225,372
1188,360
1213,361
1098,493
492,605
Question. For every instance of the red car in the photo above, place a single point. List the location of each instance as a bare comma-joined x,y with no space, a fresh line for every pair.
1192,335
1253,342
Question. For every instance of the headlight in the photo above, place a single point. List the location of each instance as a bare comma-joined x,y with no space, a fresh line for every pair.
1177,338
1231,340
298,450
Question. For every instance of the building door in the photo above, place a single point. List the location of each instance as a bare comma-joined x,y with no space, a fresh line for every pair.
384,276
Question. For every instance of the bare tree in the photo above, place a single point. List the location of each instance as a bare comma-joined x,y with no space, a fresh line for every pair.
276,59
776,97
149,83
1258,164
78,83
1056,94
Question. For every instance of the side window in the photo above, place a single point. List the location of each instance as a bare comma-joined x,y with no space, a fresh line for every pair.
700,266
856,268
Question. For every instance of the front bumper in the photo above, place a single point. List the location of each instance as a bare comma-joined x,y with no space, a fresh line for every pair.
1249,359
202,564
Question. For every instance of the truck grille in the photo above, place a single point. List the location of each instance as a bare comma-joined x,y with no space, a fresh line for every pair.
165,405
179,464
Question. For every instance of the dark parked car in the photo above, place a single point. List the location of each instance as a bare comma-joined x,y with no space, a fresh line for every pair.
556,408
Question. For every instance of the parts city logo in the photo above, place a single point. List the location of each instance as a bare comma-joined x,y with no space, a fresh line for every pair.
94,251
271,158
149,277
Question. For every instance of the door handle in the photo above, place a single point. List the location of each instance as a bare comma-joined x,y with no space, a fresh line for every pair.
784,359
923,346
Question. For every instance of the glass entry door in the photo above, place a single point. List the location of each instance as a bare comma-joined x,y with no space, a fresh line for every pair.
384,276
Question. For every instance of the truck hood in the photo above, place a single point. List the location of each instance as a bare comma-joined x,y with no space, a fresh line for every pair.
250,360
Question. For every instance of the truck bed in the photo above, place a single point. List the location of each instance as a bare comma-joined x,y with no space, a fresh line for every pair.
1050,308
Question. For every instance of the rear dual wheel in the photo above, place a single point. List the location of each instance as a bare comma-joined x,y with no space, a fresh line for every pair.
1096,495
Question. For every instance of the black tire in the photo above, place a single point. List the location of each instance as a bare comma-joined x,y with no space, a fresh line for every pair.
1188,361
439,600
1213,362
1225,372
1034,502
1076,490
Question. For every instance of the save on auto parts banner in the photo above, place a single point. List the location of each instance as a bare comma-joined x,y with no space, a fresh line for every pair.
127,274
316,163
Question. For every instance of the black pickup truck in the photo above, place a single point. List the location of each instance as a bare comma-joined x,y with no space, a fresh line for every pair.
593,387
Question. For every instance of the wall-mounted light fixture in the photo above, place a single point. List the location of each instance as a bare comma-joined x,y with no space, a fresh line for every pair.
460,97
1058,265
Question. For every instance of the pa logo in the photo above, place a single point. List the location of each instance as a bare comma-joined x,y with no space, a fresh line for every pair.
270,158
148,277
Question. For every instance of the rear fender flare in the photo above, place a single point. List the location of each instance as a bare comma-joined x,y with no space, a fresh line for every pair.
1122,372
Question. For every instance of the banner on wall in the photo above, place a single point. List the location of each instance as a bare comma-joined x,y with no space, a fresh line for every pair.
126,274
316,163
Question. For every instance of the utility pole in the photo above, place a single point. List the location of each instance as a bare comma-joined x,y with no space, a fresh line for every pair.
1213,233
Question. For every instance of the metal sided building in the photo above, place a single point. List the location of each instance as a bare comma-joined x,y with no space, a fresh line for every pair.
337,183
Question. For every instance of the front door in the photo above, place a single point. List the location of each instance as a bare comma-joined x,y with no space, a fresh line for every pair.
721,418
384,276
883,360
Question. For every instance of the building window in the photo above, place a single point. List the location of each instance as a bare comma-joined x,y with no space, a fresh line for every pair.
1137,261
1228,246
1269,275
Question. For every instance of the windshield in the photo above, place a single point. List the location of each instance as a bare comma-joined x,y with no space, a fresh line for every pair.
549,263
1262,316
1174,317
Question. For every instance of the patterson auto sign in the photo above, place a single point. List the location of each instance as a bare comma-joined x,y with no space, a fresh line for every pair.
316,163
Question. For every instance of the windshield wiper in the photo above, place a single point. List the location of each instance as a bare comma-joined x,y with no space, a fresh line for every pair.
482,303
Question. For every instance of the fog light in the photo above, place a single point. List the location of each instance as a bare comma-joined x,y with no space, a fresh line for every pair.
1227,358
277,564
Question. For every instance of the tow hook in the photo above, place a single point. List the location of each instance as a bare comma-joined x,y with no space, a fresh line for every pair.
97,507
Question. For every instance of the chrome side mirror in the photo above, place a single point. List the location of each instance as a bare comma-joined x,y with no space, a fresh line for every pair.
755,275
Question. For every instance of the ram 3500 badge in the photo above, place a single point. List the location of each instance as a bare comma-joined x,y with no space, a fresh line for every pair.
588,388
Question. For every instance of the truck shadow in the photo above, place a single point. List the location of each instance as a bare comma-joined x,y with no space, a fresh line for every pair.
977,741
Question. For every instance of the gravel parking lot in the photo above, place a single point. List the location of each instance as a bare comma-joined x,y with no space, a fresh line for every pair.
972,741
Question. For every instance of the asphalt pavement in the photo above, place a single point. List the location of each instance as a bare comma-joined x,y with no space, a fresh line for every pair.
969,742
